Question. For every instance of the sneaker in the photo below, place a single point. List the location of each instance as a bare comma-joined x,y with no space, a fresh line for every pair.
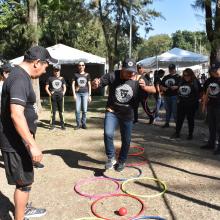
38,165
31,212
166,125
217,151
206,147
190,137
110,163
52,127
119,166
63,127
84,127
175,135
77,128
151,121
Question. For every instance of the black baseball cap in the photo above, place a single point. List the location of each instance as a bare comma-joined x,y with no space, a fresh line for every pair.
38,52
140,65
172,66
57,67
6,67
129,64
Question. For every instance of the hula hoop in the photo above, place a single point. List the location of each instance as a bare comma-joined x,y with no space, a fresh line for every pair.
88,218
93,206
123,179
143,162
150,217
90,180
144,196
137,153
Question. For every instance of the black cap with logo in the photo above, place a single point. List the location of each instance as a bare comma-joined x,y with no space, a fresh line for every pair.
129,64
57,67
39,53
172,66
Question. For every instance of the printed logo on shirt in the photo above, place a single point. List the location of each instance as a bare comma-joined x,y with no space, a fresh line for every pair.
124,93
184,90
214,89
170,82
82,81
57,84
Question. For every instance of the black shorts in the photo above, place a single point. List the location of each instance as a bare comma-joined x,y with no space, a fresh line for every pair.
18,168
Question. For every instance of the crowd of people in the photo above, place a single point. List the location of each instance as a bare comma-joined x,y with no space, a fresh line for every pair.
129,86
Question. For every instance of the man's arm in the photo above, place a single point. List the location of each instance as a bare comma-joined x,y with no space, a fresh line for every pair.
20,123
102,82
64,89
47,90
73,89
149,89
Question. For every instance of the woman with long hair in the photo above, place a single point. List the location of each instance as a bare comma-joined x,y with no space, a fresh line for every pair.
187,101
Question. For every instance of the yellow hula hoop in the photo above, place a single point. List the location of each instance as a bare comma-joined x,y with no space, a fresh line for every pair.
88,218
144,196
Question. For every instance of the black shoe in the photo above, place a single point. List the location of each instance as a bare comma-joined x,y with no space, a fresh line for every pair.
84,127
206,147
175,135
119,166
38,165
135,121
217,151
166,125
190,137
52,127
77,128
151,121
63,127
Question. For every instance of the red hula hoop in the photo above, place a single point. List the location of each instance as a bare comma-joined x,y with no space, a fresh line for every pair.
93,208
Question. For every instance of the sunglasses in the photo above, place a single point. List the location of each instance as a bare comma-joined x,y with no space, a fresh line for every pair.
81,65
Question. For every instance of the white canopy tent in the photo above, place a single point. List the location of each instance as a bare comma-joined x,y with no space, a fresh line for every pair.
68,55
177,56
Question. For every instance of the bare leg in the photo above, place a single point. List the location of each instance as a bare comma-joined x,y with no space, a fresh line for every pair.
21,200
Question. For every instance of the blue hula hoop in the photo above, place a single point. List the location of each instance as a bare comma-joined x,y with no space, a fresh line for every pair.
149,217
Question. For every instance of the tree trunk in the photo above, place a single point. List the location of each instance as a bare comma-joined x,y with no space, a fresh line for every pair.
33,21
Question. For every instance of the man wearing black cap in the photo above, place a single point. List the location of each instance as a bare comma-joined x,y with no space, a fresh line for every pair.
56,89
169,87
18,124
212,102
123,92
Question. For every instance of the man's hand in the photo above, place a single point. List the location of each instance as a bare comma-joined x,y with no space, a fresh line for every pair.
74,98
174,87
95,83
89,99
142,83
36,153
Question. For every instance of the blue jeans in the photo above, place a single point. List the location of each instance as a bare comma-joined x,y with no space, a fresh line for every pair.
159,105
110,124
170,107
81,100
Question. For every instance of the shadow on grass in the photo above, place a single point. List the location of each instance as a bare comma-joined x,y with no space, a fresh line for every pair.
72,159
6,206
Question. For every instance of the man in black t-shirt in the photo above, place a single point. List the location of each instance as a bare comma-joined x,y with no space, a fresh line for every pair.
169,87
212,102
18,123
56,89
123,93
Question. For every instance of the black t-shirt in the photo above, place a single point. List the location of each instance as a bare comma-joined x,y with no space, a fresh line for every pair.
188,92
81,82
122,94
17,89
56,84
169,81
213,87
206,83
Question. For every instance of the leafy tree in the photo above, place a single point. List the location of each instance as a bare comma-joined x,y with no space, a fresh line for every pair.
154,45
114,19
192,41
211,9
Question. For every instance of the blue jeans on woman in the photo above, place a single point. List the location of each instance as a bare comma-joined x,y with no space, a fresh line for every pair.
110,124
81,101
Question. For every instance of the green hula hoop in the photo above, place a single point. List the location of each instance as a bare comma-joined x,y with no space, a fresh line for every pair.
144,196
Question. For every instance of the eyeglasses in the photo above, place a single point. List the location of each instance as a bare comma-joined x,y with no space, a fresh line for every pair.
81,65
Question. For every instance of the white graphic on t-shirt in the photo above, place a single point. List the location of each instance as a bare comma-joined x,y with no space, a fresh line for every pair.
124,93
184,90
56,84
82,81
213,89
170,82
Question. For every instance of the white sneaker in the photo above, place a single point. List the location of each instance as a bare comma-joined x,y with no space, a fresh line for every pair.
110,163
31,212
